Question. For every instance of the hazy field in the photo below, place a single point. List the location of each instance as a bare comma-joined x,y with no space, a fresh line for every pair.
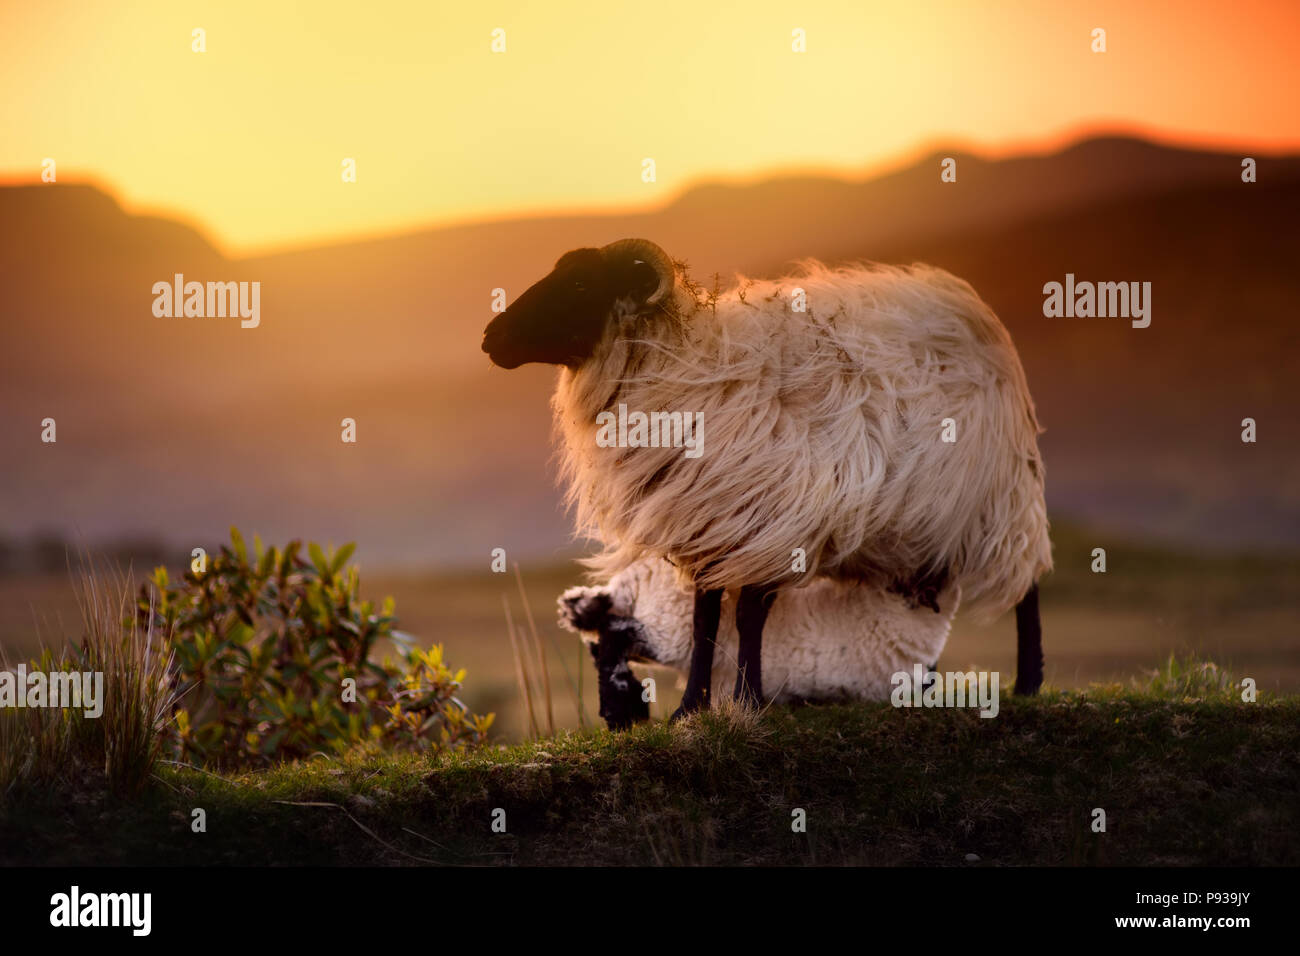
1241,611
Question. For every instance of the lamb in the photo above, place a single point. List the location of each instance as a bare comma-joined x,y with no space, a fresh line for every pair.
868,423
832,640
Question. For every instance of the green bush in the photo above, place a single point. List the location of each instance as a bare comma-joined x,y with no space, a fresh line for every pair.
271,660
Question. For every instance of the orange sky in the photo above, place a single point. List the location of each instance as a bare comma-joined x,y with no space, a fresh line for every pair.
247,139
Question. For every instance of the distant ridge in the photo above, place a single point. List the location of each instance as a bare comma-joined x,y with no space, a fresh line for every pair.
177,428
89,218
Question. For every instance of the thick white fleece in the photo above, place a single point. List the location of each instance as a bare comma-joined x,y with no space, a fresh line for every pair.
823,431
831,640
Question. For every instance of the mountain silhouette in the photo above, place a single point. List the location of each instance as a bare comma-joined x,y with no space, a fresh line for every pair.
177,428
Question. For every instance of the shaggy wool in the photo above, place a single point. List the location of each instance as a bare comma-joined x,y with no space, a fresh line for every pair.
832,640
822,431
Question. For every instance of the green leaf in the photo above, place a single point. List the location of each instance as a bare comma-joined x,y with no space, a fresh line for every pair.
260,653
266,562
341,558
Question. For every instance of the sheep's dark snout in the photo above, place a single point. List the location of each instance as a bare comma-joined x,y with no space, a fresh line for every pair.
496,345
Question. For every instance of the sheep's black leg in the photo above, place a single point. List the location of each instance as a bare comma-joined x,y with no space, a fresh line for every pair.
699,683
1029,643
751,615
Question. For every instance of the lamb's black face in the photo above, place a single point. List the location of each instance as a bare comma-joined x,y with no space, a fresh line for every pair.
586,609
592,610
560,319
619,690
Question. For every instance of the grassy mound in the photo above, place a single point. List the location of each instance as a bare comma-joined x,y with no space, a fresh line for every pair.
1199,779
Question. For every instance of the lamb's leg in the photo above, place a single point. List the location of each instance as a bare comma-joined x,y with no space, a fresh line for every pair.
704,634
1029,641
751,615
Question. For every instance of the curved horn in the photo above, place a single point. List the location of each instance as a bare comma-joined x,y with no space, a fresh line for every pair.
648,252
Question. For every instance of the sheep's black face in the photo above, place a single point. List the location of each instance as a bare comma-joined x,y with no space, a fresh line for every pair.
561,319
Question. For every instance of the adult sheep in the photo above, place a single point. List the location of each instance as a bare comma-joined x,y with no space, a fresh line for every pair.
825,434
829,641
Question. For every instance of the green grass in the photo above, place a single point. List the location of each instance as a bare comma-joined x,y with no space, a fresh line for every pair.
1183,780
1238,610
1186,772
39,746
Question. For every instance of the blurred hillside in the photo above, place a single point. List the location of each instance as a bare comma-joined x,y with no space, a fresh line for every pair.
174,429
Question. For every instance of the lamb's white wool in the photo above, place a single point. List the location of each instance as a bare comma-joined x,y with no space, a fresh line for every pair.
823,432
832,640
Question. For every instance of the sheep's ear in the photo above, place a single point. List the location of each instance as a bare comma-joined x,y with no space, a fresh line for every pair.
640,269
585,609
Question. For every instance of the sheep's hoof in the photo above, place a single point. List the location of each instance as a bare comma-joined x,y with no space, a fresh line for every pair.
686,709
749,697
747,692
1027,687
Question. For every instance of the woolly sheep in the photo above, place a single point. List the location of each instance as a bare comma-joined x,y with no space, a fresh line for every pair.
832,640
823,435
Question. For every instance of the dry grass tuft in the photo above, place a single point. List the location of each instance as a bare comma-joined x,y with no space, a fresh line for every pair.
44,746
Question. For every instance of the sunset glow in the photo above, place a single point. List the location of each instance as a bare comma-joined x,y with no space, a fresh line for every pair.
247,139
